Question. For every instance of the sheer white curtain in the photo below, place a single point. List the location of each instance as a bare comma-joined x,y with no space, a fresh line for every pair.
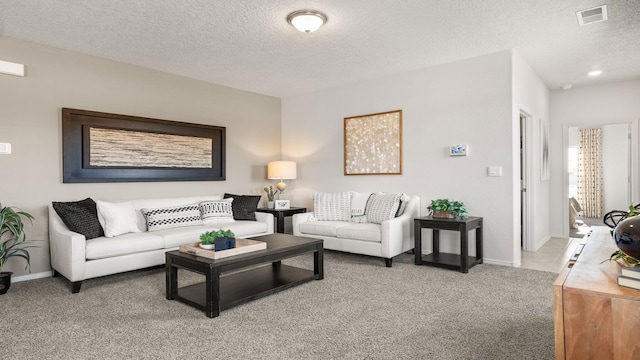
590,188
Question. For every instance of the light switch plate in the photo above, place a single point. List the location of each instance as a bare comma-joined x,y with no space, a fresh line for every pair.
494,171
5,148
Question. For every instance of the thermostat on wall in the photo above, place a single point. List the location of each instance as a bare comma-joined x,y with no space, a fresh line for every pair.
5,148
458,150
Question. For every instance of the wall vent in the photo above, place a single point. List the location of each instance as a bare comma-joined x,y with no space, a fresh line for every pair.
593,15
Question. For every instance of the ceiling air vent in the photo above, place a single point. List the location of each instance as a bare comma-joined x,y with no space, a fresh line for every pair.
592,15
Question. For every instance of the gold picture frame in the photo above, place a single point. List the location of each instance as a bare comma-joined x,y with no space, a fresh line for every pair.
373,144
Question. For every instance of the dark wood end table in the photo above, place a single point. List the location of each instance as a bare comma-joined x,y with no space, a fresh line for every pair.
281,214
239,286
462,262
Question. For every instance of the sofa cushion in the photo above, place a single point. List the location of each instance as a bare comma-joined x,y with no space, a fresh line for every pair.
383,207
244,228
80,216
104,247
332,206
117,218
244,206
175,237
172,217
365,231
326,228
216,211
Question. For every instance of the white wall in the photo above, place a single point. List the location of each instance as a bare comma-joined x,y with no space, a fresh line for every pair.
465,102
596,105
30,119
531,96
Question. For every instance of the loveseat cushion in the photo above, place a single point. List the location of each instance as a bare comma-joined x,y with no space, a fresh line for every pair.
80,216
383,207
332,206
172,217
244,206
325,228
364,231
130,243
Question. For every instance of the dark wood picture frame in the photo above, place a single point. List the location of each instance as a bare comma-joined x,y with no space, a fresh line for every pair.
76,149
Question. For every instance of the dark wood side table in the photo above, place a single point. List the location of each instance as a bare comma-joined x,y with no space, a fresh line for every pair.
462,262
281,214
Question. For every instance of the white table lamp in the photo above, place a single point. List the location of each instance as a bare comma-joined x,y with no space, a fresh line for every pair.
281,170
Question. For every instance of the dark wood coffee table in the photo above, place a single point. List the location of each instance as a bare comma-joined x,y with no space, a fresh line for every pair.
219,293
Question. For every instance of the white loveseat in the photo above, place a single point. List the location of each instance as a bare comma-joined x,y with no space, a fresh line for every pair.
386,239
77,258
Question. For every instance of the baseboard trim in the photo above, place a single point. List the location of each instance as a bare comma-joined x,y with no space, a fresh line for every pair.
41,275
501,262
539,244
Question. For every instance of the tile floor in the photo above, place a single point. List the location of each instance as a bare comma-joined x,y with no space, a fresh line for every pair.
552,256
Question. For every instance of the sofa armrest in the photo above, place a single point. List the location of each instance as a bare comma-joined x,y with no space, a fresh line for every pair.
298,219
267,219
67,249
396,235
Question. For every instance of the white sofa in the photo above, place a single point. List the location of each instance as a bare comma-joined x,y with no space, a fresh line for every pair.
78,259
386,240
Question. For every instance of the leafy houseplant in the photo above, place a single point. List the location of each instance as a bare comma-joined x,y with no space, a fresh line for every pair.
218,240
13,241
445,208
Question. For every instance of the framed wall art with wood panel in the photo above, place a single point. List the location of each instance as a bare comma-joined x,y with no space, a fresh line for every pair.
373,144
103,147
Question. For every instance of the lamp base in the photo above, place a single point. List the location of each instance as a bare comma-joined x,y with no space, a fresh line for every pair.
281,186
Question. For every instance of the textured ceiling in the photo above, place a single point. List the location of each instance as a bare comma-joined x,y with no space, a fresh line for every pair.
248,44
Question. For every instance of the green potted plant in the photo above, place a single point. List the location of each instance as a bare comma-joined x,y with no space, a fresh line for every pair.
218,240
271,196
13,241
448,209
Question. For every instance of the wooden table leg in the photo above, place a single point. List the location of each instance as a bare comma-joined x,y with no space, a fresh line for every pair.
212,284
417,247
464,249
436,242
479,242
318,262
171,273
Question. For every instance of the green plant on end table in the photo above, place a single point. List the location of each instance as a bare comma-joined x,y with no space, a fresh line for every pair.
271,193
208,239
446,208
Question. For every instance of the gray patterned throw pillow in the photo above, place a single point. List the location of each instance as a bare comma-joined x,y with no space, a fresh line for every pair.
172,217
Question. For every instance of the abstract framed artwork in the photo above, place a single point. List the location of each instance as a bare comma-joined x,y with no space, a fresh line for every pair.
373,144
544,151
102,147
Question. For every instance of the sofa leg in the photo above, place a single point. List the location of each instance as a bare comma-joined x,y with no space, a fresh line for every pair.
56,273
75,286
388,262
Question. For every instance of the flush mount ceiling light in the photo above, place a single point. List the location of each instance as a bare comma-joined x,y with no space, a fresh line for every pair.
307,20
595,72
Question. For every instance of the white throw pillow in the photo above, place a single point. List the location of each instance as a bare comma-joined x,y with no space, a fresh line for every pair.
383,207
117,218
404,200
216,211
172,217
359,206
332,206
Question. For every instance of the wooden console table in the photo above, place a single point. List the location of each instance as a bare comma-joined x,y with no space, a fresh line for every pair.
594,318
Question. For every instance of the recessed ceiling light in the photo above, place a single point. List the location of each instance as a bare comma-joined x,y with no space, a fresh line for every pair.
595,72
593,15
307,20
567,87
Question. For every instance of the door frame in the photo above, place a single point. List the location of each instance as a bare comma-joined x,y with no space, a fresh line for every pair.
528,243
634,163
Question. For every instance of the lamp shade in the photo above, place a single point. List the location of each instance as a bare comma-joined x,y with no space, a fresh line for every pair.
281,170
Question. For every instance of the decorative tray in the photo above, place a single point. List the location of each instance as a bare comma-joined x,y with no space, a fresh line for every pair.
242,246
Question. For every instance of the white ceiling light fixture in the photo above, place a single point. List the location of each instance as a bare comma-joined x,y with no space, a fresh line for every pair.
595,72
593,15
307,21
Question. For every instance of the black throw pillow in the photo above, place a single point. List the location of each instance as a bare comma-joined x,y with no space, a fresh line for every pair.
80,216
244,206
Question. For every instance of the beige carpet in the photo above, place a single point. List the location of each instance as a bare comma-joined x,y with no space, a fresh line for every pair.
361,310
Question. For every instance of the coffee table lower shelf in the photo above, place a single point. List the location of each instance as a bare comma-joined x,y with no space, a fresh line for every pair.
449,261
245,286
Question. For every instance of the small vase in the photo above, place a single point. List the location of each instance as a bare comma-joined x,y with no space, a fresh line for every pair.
271,204
443,215
627,236
207,247
222,243
5,282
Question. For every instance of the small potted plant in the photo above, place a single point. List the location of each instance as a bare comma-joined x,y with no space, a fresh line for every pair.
271,196
218,240
448,209
13,241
